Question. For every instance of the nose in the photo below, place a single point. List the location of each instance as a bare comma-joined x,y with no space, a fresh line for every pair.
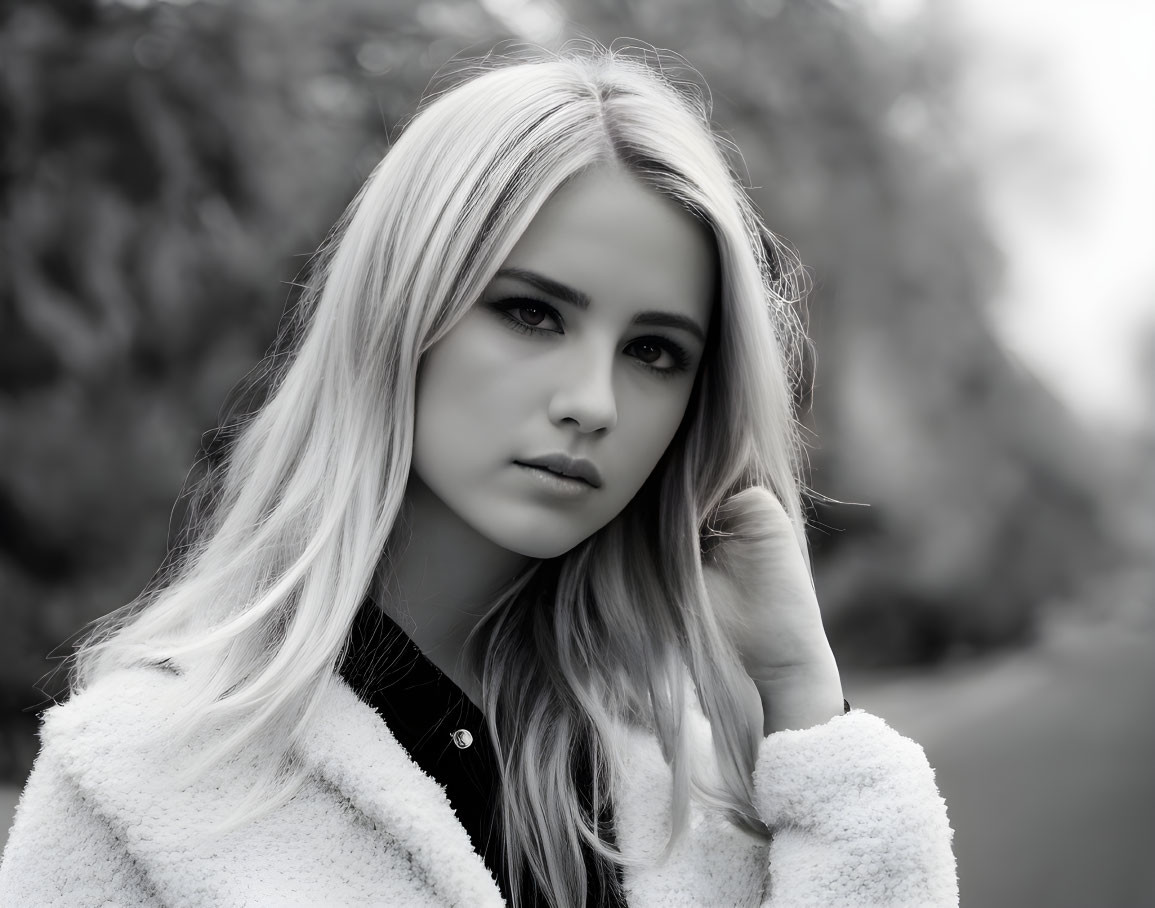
584,396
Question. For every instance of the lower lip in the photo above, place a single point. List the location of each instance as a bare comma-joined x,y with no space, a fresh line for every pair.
562,486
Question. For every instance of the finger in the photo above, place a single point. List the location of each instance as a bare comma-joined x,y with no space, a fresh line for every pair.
753,515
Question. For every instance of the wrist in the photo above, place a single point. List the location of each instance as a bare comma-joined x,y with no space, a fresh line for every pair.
799,697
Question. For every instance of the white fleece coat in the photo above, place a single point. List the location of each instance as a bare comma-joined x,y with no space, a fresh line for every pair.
857,820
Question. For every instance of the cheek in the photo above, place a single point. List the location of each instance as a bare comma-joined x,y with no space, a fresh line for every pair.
474,367
437,402
448,395
646,437
467,397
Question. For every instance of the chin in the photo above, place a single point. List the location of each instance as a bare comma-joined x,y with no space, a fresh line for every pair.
541,547
537,539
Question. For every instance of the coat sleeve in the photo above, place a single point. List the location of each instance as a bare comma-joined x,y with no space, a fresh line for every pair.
61,852
856,818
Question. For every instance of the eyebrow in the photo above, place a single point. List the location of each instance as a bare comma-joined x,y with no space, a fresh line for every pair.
580,301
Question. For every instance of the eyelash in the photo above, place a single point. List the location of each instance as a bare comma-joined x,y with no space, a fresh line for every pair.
506,307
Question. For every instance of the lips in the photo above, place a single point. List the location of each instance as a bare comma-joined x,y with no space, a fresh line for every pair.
564,465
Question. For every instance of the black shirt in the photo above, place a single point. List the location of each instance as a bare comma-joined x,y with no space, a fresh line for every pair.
446,735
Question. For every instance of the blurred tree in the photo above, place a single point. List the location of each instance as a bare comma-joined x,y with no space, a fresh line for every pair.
984,495
168,169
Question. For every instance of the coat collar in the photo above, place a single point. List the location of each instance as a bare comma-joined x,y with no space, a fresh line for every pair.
350,746
96,739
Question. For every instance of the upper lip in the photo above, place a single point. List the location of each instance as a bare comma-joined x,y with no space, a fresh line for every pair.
564,465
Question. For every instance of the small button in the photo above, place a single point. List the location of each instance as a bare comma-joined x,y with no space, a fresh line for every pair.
462,738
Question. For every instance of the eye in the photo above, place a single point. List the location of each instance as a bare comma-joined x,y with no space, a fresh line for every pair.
529,315
647,352
659,355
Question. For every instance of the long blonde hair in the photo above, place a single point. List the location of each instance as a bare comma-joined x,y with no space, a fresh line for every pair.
258,608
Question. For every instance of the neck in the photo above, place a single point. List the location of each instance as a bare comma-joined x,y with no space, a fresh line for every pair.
442,577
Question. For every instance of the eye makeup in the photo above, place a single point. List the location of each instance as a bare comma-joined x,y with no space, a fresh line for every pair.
507,309
579,300
513,312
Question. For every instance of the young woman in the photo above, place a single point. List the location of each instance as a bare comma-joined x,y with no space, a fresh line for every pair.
503,595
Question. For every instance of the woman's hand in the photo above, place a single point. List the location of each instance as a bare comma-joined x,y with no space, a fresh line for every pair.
760,587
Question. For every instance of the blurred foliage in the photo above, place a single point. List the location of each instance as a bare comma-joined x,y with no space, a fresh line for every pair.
168,169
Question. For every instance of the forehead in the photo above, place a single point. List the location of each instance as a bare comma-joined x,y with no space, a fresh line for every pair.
626,246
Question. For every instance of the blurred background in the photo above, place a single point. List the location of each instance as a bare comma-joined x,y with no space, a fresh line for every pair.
970,185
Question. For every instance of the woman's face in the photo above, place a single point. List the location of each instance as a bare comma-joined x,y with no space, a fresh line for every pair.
578,359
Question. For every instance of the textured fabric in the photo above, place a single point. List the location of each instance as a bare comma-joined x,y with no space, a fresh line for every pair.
423,709
103,820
